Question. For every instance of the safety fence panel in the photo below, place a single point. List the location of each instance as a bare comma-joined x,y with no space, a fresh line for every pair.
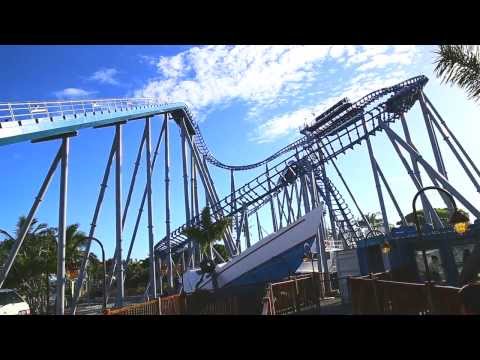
301,293
148,308
173,305
373,296
210,303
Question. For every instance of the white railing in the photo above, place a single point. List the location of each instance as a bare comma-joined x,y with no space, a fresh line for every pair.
48,109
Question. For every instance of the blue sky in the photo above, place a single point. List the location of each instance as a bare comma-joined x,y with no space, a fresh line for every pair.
249,100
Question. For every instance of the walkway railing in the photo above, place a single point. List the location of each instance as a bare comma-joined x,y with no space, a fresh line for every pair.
50,109
296,295
170,305
299,294
373,296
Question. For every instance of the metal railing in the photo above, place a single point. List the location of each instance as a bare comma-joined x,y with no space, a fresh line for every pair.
48,109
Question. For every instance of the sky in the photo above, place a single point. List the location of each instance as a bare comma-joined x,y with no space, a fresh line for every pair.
249,101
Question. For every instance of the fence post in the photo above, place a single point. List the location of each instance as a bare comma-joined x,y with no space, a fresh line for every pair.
159,305
375,292
295,298
428,286
317,290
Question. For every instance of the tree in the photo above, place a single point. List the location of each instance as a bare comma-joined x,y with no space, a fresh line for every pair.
372,219
443,214
460,65
33,263
37,259
206,234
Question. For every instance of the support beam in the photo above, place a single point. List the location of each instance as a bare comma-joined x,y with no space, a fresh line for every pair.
118,215
28,221
272,207
185,185
377,181
437,223
299,201
167,204
455,152
416,172
435,148
439,177
433,139
233,207
452,136
247,229
259,228
132,182
228,241
328,199
153,281
93,225
62,228
351,195
392,197
304,192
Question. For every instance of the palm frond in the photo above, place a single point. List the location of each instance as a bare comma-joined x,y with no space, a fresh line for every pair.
460,65
206,217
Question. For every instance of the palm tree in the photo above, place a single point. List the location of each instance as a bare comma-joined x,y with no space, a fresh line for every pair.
33,263
460,65
74,241
372,219
206,234
443,214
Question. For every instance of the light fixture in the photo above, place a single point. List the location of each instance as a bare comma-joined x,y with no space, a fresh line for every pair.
458,217
386,247
460,222
461,228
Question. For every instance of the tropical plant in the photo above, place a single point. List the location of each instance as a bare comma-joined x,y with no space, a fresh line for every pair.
33,263
37,259
460,65
373,219
206,234
443,213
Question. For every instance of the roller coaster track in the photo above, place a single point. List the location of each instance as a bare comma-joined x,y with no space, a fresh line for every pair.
333,139
30,121
339,120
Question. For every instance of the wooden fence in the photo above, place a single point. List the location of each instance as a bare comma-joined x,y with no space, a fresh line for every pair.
299,294
169,305
373,296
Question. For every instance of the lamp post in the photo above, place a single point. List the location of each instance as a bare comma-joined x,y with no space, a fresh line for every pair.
104,267
456,218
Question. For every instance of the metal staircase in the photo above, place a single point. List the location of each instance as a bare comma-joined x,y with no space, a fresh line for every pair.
348,228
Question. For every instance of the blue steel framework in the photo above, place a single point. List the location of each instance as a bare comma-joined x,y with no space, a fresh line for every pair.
293,175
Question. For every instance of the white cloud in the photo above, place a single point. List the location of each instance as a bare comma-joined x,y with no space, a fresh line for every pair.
210,75
105,76
147,59
285,124
70,93
266,77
